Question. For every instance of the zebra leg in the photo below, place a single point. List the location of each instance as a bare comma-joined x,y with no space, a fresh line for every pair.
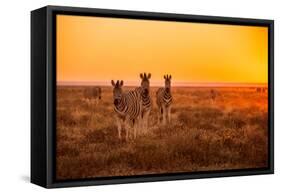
159,115
164,114
144,124
127,128
127,133
139,126
142,120
119,127
169,114
135,129
145,121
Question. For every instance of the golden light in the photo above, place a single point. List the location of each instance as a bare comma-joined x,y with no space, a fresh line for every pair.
98,49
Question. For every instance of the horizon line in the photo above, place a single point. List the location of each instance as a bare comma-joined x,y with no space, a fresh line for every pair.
159,84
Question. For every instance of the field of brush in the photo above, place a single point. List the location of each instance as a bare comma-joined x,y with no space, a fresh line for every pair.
229,132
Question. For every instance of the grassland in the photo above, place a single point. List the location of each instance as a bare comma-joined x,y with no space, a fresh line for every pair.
229,132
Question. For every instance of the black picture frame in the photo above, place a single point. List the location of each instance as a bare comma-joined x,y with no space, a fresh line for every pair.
43,95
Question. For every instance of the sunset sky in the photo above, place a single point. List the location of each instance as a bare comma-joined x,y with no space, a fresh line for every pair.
98,49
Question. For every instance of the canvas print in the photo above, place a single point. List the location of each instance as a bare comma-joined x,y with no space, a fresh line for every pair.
142,97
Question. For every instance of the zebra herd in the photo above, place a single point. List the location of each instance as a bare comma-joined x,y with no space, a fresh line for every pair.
261,90
133,108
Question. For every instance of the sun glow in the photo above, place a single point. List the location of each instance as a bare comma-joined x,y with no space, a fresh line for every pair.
98,49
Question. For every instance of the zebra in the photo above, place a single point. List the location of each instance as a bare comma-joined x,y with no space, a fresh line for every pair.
213,95
92,93
127,107
146,102
264,90
164,100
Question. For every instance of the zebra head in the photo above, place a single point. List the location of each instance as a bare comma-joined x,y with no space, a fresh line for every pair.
167,82
117,91
145,82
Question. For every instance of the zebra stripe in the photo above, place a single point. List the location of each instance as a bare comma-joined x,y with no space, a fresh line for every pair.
164,100
145,100
164,97
129,105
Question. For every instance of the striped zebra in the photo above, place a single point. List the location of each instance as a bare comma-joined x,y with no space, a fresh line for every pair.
146,102
164,101
92,93
127,107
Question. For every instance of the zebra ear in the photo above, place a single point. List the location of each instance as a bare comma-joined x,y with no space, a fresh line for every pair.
121,83
148,76
141,76
112,83
170,77
164,76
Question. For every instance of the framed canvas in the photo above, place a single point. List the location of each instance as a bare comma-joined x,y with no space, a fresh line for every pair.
127,96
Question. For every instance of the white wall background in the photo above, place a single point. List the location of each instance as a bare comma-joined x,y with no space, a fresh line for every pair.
15,94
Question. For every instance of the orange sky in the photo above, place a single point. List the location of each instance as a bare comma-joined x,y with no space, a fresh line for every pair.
98,49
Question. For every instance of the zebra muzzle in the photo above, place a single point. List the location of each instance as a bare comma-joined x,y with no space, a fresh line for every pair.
145,91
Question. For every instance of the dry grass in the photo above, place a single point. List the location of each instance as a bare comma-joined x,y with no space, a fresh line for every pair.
228,133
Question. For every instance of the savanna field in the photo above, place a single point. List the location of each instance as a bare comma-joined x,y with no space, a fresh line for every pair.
228,132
